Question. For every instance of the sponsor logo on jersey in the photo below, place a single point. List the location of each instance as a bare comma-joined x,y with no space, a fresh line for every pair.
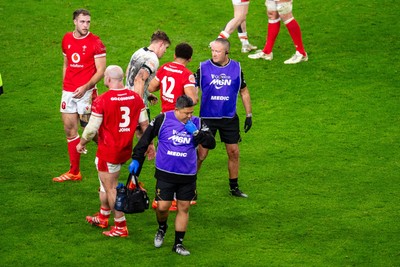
180,138
173,70
192,79
124,98
75,58
152,122
220,81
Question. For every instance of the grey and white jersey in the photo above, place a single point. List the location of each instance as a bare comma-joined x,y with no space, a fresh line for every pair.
146,59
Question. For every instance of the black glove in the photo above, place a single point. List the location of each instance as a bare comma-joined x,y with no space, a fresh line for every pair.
247,124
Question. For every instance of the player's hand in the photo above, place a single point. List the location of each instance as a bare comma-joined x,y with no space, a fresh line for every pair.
190,127
247,124
152,99
79,92
134,166
81,149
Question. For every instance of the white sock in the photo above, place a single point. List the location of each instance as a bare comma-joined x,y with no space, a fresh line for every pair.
243,38
224,35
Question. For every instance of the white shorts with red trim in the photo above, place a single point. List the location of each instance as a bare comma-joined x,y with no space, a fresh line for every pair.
82,105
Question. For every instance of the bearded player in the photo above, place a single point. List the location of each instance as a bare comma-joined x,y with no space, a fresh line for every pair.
84,65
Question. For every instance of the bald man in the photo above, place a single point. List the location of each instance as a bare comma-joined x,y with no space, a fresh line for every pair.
115,116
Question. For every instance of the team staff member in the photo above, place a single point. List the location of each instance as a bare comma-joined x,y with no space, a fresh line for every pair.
174,79
221,80
84,65
278,10
115,116
179,133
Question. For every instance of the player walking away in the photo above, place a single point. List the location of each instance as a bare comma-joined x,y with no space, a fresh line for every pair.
221,81
84,65
240,9
173,79
115,116
144,64
179,133
277,11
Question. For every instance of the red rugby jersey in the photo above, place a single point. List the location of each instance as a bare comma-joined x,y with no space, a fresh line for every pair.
80,54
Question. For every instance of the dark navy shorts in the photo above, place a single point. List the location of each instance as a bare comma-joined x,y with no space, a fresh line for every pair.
228,129
166,191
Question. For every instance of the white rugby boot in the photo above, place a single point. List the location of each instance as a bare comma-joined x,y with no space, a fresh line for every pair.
297,58
262,55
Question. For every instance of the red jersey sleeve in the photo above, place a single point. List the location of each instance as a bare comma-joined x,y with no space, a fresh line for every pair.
99,48
98,107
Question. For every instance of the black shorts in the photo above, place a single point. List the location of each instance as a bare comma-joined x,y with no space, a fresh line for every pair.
228,129
166,191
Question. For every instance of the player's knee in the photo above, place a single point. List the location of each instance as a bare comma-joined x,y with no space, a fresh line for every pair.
233,155
183,208
201,156
233,152
241,17
273,15
162,210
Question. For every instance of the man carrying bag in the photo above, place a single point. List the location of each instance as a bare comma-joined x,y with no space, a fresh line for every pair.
179,133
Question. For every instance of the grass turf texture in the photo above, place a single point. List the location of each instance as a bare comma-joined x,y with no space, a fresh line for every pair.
320,164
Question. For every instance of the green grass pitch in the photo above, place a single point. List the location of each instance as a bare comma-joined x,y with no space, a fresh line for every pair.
320,165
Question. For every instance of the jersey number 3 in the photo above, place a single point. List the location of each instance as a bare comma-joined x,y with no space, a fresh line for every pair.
125,117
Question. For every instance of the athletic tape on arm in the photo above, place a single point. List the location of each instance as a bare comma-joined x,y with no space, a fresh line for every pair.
92,127
143,115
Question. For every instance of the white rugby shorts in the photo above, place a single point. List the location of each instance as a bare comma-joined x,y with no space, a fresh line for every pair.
82,105
240,2
282,7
